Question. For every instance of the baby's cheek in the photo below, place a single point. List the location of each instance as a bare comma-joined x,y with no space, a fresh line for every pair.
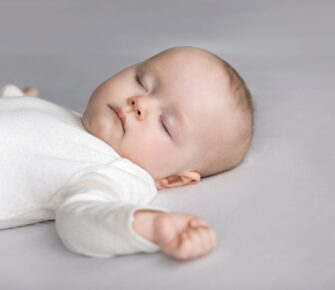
152,155
163,161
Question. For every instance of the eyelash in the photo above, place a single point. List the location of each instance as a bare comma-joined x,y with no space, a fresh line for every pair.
162,123
139,82
164,127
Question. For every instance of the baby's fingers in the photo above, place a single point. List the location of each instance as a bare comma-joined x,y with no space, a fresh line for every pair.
203,237
197,221
195,242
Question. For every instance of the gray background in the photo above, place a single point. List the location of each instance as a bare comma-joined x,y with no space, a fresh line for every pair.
274,214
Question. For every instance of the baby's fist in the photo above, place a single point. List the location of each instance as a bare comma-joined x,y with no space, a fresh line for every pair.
183,236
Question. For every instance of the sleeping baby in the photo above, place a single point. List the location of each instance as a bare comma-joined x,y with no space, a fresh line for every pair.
179,116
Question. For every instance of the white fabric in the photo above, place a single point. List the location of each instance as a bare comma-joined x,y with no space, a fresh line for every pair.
11,91
52,168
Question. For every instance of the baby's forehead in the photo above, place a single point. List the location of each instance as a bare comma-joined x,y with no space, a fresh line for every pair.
184,62
193,84
186,75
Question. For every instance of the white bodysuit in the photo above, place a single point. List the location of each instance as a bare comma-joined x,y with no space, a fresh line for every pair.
51,168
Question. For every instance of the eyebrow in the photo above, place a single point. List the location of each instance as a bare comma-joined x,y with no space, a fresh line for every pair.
178,129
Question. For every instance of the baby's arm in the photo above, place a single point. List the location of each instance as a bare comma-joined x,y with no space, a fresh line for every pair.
94,210
180,235
94,218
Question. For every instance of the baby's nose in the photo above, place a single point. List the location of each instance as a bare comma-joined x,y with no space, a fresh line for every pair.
138,106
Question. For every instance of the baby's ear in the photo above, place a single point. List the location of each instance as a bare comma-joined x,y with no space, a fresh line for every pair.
185,178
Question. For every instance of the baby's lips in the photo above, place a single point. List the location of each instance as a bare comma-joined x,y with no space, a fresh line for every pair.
121,115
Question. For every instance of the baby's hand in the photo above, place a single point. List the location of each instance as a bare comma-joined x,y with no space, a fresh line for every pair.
183,236
30,92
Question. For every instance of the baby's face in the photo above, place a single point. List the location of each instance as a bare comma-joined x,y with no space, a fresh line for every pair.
171,105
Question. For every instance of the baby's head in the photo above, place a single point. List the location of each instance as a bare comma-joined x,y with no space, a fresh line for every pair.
188,114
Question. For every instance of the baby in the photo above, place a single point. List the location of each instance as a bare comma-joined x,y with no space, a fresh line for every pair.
179,116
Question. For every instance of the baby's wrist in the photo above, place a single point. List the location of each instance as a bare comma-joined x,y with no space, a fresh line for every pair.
144,222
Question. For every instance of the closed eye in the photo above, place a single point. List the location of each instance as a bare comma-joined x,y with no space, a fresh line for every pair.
163,125
138,80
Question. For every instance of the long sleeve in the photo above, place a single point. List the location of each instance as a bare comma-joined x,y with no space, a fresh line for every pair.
94,211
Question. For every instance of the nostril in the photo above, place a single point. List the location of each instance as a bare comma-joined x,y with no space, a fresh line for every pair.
138,112
131,101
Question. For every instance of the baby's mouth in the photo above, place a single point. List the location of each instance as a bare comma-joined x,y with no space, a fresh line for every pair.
120,115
